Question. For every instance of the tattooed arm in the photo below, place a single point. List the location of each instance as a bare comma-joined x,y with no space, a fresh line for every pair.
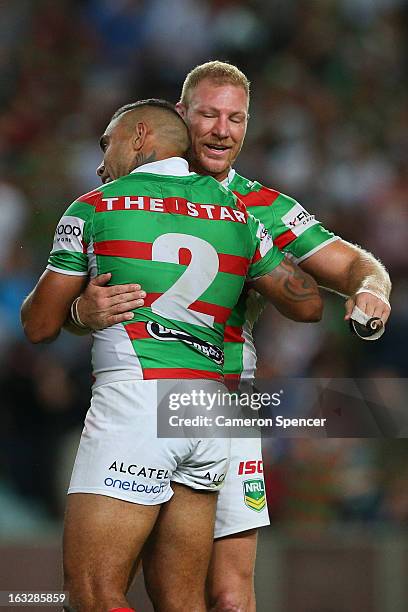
293,292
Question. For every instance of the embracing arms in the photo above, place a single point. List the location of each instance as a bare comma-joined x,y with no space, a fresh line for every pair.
294,293
338,266
46,310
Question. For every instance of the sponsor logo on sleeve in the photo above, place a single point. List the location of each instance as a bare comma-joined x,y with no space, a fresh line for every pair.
266,242
254,494
298,220
68,235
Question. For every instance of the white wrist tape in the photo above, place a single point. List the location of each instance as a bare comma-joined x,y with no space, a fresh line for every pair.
377,295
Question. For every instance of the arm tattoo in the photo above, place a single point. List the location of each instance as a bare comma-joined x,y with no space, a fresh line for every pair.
295,284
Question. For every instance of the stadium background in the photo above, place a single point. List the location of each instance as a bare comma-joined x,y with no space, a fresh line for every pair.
329,126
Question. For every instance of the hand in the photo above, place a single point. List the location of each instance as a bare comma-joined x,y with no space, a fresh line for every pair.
101,306
371,305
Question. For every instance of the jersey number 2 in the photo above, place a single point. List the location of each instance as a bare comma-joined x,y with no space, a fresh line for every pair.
195,280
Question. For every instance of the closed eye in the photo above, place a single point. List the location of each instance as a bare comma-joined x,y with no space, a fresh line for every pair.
103,143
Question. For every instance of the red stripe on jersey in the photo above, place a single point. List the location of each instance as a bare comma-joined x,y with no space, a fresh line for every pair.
220,313
257,256
263,197
233,334
124,248
151,373
233,264
284,239
241,204
215,212
175,206
232,381
92,197
137,331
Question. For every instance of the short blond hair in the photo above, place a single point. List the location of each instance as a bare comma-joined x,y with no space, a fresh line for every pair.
222,73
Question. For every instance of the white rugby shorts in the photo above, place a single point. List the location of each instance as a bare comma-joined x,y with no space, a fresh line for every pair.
241,503
120,455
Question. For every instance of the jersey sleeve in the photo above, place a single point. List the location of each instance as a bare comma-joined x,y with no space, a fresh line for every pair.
294,230
266,255
71,239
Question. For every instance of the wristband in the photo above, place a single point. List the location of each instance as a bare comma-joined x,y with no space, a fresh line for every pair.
377,295
75,315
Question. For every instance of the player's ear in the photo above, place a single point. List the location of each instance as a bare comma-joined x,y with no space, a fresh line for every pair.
139,135
181,109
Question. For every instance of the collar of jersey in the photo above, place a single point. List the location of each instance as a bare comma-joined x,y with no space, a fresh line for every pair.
172,166
228,179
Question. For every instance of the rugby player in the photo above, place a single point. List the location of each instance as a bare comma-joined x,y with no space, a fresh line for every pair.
214,102
139,224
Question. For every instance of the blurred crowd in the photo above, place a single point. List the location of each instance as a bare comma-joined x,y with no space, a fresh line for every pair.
329,126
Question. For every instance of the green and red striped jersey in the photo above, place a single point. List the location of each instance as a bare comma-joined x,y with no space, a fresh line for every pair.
189,242
294,231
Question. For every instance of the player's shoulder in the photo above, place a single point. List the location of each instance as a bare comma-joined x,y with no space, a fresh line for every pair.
91,197
254,193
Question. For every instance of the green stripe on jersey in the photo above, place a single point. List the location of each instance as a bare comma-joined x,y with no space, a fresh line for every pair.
307,243
172,355
233,358
69,262
222,291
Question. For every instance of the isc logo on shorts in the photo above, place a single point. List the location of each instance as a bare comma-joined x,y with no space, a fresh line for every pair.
250,467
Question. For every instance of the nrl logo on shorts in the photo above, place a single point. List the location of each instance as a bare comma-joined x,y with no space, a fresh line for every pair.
254,494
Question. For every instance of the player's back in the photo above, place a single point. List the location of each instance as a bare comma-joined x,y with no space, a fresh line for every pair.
188,242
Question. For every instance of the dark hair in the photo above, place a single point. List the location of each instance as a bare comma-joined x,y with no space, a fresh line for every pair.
153,102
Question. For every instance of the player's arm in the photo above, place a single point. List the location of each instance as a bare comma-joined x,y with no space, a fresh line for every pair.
293,292
353,272
334,263
45,310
